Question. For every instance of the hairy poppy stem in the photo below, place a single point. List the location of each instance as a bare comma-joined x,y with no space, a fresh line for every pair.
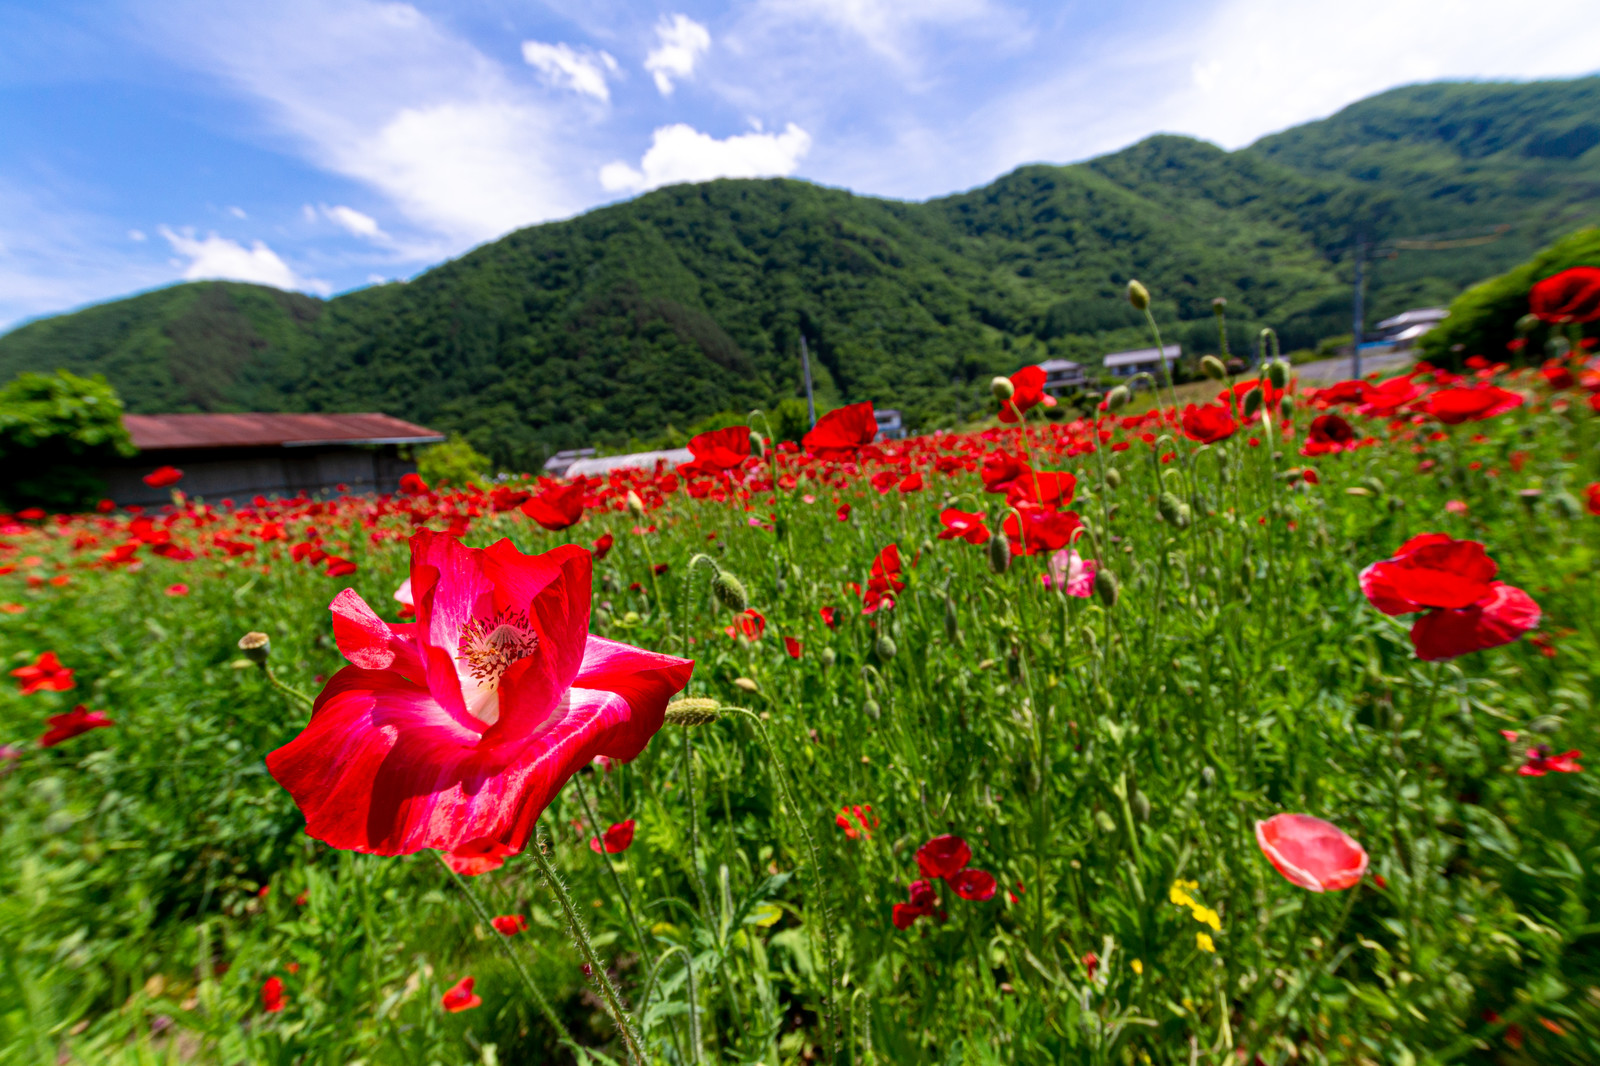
516,960
597,972
781,773
694,820
287,690
1161,357
616,881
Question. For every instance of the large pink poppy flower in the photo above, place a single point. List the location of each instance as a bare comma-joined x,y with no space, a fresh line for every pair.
460,728
1311,853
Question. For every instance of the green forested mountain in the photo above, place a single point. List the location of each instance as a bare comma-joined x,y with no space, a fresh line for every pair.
690,299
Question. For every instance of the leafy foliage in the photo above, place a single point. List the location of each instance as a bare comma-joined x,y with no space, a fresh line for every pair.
455,462
1483,320
56,431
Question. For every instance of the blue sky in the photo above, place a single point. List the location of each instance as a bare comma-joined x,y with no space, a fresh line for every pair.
328,144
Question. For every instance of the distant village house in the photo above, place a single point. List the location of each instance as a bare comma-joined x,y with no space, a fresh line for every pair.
245,455
1141,361
1060,374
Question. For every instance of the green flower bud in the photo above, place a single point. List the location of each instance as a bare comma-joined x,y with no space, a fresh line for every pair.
1138,296
635,504
871,709
1140,804
1285,407
1113,478
729,591
1118,398
828,657
1106,586
1170,506
1252,402
999,552
952,626
884,647
1278,373
1212,368
1105,822
692,711
1219,305
1003,389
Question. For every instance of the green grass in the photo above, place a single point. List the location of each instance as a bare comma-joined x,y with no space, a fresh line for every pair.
1092,754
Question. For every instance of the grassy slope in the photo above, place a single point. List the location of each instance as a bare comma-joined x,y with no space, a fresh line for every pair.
689,299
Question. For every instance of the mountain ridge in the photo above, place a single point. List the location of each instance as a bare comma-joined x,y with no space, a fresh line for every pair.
689,299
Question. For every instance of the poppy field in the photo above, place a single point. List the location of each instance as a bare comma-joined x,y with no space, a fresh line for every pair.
1251,731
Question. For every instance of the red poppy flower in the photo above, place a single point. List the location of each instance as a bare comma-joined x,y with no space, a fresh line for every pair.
1043,529
1310,852
977,885
509,924
618,837
943,856
792,646
843,513
1091,963
857,821
1557,375
723,449
884,480
830,616
602,546
1454,406
884,580
46,672
462,726
1386,398
1029,393
412,484
967,525
1001,470
1591,501
923,901
75,722
750,623
163,476
1541,762
272,994
1054,488
1570,296
1346,392
838,435
1328,434
478,857
1209,423
1451,580
912,482
460,997
556,508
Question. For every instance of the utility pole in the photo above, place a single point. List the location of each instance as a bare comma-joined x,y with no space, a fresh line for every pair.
805,366
1359,315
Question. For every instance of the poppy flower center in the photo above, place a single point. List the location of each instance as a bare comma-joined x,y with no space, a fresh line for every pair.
486,649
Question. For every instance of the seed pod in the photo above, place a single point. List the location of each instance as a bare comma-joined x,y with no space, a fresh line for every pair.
729,591
828,657
1003,389
1106,823
1140,804
1106,586
1567,504
1118,398
999,552
1113,478
635,504
1219,304
1138,296
884,647
256,647
1278,373
692,711
952,626
1212,368
871,709
1545,725
1169,505
1252,402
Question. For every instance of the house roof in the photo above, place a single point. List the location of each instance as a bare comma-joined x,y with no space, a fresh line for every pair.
1143,355
604,464
1415,316
154,433
1056,366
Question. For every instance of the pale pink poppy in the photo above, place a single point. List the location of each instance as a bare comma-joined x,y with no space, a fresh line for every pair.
1072,574
1311,853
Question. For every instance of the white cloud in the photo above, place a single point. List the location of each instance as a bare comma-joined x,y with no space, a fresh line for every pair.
884,25
567,68
680,42
136,235
378,92
354,222
237,212
682,153
219,257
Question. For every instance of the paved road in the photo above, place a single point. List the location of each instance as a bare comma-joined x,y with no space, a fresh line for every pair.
1329,371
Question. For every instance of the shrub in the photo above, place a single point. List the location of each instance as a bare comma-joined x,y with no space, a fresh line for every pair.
56,433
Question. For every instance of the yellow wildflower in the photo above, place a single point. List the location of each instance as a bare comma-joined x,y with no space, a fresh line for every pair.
1138,967
1207,916
1179,893
1203,942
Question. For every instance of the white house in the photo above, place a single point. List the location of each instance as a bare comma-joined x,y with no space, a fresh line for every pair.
890,426
1142,360
1401,332
1062,374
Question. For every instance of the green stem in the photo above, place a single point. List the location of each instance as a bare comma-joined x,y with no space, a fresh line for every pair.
694,820
516,960
616,881
286,689
597,971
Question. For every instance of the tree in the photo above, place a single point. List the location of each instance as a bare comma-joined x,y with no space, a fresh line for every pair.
57,433
455,462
